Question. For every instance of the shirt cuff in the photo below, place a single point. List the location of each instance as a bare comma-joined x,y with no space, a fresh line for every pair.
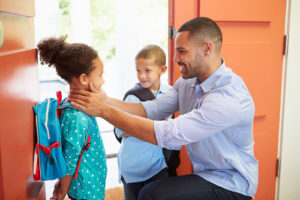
150,109
164,135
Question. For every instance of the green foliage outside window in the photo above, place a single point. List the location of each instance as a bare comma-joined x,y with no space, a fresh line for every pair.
154,28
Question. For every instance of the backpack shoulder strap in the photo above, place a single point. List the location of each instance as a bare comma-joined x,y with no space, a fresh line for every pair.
143,94
87,142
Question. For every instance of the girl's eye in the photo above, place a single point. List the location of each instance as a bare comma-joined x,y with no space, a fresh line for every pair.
148,70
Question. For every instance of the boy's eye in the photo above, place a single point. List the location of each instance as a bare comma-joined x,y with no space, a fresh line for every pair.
148,70
137,70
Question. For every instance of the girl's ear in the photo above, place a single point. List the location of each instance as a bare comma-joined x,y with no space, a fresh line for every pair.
163,69
83,79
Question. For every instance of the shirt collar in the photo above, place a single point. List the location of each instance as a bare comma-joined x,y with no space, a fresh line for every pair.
209,83
162,88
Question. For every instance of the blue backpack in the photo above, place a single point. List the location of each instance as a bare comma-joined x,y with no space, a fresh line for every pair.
49,163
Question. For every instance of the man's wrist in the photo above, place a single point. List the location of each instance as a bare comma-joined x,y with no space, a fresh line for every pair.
108,100
105,111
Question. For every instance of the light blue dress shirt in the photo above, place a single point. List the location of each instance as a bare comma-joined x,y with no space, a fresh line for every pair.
139,160
215,124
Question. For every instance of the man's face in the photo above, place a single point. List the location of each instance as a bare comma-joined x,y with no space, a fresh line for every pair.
188,56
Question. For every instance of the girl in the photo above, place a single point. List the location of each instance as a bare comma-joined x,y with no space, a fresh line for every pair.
79,65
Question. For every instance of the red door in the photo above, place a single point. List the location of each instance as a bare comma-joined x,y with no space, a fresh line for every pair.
253,34
18,91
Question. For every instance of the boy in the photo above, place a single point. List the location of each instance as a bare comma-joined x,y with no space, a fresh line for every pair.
141,162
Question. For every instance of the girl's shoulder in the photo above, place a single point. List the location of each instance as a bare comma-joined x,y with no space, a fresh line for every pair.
73,114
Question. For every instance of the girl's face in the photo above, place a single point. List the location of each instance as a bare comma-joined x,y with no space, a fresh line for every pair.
95,75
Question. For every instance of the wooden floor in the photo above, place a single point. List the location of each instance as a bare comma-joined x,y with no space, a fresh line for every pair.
112,194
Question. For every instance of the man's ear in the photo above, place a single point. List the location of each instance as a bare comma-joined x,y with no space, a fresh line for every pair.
163,69
207,47
83,79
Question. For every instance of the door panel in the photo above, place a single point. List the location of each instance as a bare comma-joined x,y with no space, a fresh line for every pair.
20,7
253,34
19,90
236,10
179,12
18,32
177,16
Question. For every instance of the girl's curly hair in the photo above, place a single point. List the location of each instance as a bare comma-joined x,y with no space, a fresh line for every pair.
70,60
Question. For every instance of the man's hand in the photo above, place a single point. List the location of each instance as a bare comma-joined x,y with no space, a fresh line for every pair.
92,102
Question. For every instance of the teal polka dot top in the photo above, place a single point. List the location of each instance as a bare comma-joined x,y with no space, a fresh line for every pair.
90,183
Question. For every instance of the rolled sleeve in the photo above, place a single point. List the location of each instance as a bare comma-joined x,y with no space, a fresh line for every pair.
163,106
213,115
163,136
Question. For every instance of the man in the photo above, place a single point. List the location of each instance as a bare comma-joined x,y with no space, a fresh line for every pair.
215,122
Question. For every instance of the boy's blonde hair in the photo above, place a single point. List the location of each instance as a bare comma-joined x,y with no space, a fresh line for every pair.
153,52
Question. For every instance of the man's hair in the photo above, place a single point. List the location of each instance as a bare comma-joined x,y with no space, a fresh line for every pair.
202,29
153,52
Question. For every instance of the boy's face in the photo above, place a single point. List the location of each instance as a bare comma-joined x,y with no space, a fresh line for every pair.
148,73
95,75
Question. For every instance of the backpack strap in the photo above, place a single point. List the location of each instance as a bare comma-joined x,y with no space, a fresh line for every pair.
143,94
87,144
47,150
59,99
84,148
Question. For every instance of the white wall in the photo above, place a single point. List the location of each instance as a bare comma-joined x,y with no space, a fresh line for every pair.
288,185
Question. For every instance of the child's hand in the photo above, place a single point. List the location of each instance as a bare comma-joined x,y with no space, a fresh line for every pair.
58,194
55,191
